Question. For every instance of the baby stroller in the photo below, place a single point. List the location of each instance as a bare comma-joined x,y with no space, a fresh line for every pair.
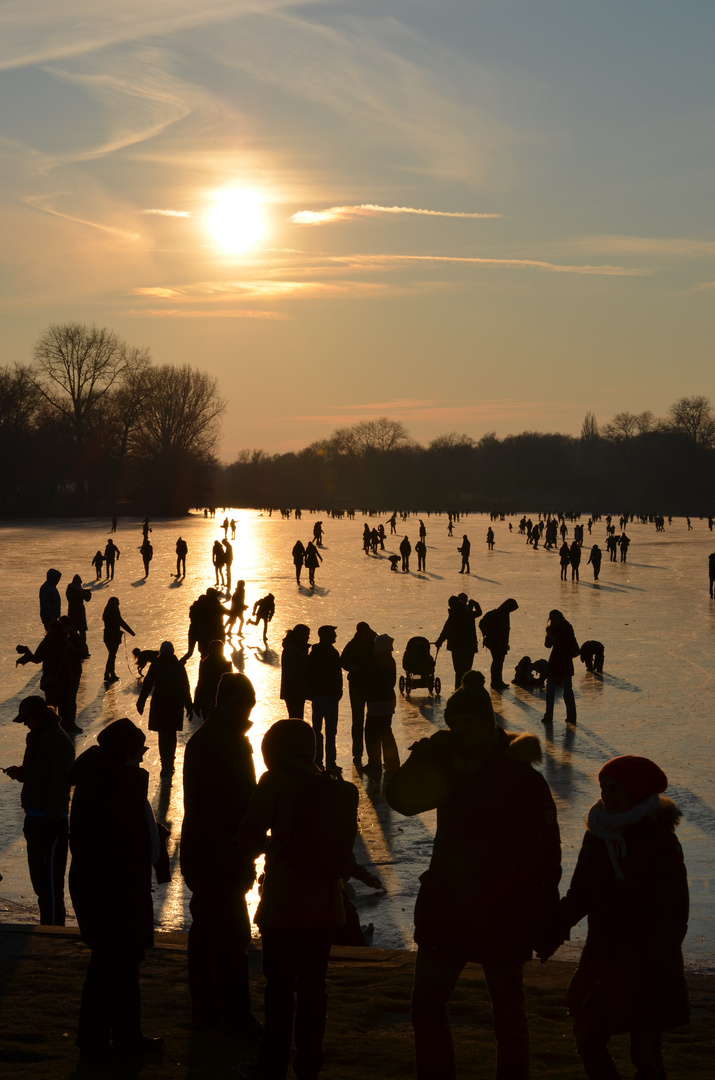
418,664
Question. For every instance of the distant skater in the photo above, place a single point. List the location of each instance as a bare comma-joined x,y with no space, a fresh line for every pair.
595,560
575,559
263,611
147,554
50,600
232,524
564,559
77,597
711,570
98,563
228,562
490,539
421,552
111,554
625,544
298,554
405,552
313,559
465,551
238,606
218,558
181,551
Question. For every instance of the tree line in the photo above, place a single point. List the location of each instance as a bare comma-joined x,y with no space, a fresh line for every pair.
91,425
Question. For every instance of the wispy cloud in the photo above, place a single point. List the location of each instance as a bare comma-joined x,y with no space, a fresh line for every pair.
212,291
679,247
40,203
449,412
169,213
204,313
347,213
367,262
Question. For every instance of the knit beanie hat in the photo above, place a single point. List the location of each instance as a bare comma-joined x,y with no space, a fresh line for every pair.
471,698
287,740
640,776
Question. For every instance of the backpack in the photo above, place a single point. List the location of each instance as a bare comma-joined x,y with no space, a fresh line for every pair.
486,625
324,826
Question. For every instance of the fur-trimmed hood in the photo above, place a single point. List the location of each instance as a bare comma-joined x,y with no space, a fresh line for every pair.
524,747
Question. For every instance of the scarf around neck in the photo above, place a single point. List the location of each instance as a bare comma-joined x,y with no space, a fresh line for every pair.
610,827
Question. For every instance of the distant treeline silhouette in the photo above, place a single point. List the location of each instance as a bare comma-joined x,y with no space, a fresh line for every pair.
634,462
92,426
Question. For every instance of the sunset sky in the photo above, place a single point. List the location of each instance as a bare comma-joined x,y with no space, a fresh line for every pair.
469,215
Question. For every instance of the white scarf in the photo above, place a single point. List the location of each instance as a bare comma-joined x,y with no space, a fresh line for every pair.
609,827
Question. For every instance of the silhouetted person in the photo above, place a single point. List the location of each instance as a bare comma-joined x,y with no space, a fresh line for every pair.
450,527
298,554
224,526
625,544
530,673
560,638
219,779
182,549
490,539
168,684
355,659
145,528
421,552
294,670
495,629
423,530
564,559
147,554
381,536
595,560
575,559
232,524
238,606
495,869
592,655
380,679
394,561
211,669
460,634
392,522
218,558
77,597
228,562
318,533
313,558
312,820
98,563
612,546
111,554
711,570
465,550
50,602
59,658
630,882
405,552
113,837
45,797
114,523
114,624
325,687
263,611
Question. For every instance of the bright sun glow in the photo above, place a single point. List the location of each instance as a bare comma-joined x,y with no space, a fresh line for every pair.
236,219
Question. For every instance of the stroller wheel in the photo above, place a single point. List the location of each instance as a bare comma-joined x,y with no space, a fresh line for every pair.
408,684
437,686
401,684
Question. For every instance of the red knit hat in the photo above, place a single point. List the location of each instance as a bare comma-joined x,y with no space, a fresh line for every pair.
640,776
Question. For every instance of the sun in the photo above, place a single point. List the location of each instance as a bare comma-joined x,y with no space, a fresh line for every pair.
236,219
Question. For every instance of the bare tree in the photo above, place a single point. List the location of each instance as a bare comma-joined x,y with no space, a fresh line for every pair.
179,415
589,428
693,416
78,367
20,399
451,441
380,434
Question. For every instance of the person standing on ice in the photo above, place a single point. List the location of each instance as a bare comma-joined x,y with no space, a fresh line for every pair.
50,602
560,638
595,560
711,570
111,554
313,559
460,634
465,551
405,552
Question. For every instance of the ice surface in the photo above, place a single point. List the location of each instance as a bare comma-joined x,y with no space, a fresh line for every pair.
653,614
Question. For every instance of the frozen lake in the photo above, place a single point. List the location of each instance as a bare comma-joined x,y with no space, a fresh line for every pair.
656,696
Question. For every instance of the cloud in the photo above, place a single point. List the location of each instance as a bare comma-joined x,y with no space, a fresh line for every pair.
203,313
366,262
38,203
450,412
209,291
347,213
169,213
679,247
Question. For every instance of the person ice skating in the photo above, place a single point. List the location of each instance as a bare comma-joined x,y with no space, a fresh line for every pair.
294,670
50,602
298,554
318,533
263,611
405,552
168,684
114,624
114,840
111,554
219,780
312,820
592,655
325,688
465,549
356,658
114,523
44,775
218,558
460,634
495,630
631,884
237,608
224,526
313,558
182,549
595,560
147,554
227,562
380,679
77,597
98,563
494,873
560,638
625,543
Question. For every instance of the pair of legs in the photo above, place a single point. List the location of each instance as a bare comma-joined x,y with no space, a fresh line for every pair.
569,700
462,660
217,960
380,743
325,709
295,707
436,975
167,751
110,674
110,1010
295,962
47,842
497,670
357,708
592,1037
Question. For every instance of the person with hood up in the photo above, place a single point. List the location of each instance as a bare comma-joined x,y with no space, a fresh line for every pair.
45,797
493,875
77,597
560,638
219,780
168,684
496,629
50,602
114,841
460,633
294,670
312,819
630,882
380,679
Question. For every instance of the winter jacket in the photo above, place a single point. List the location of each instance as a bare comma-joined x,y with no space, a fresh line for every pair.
49,755
635,926
294,668
356,656
560,638
460,631
169,682
50,603
77,597
325,675
496,862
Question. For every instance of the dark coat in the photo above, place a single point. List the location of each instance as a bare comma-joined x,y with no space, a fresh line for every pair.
460,629
325,675
49,755
380,679
356,656
294,668
110,872
169,682
560,638
496,862
219,779
50,603
77,597
635,926
495,627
